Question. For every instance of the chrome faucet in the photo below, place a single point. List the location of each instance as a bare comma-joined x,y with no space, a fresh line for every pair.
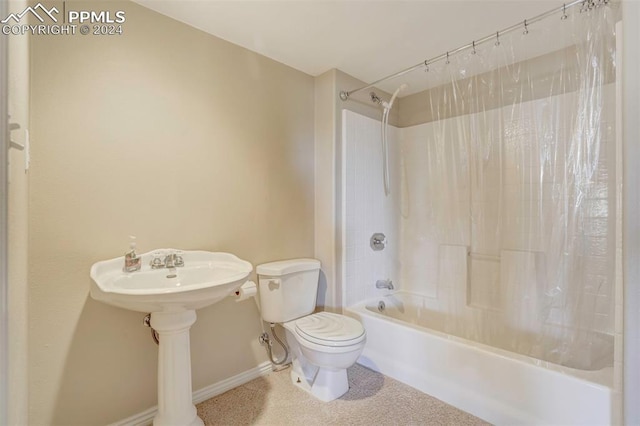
171,260
174,260
388,284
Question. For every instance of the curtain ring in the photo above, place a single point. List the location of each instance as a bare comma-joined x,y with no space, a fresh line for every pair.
473,43
526,28
564,12
426,65
497,38
447,59
586,6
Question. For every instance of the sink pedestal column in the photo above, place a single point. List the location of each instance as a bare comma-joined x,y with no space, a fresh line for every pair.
175,404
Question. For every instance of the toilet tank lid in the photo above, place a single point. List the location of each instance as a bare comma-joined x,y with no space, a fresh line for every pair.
283,267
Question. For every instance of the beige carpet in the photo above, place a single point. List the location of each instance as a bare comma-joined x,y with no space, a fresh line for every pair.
372,399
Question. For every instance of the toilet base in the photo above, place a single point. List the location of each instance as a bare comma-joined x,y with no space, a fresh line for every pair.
326,385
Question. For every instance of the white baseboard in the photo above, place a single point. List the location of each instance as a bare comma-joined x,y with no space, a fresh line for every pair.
146,417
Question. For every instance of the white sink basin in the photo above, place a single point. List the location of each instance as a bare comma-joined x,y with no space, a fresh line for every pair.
205,278
172,296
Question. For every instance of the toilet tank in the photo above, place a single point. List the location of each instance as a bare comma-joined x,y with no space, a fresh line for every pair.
287,289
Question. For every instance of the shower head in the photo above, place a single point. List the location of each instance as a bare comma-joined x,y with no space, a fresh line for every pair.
388,105
375,98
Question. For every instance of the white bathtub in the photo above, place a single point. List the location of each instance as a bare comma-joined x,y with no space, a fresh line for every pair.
499,386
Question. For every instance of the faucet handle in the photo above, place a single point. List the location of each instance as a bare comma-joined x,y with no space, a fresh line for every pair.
157,260
170,259
179,261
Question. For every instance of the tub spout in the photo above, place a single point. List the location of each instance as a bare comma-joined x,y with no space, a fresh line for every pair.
388,284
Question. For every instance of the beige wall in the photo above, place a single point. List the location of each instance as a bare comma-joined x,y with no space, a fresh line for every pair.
183,140
17,218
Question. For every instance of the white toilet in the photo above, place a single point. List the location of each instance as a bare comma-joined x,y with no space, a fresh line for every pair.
323,345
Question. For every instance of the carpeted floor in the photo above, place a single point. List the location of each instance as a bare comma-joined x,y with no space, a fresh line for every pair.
372,399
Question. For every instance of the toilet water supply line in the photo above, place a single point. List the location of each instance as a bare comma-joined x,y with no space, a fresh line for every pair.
264,339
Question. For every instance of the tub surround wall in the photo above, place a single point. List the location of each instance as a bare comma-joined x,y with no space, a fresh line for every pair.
367,209
183,140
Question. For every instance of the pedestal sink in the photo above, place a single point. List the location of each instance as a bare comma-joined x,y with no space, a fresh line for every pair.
171,296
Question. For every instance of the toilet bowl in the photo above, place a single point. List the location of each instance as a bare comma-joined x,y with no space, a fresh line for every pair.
323,345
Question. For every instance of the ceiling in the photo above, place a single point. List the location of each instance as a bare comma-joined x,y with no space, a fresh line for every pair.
366,39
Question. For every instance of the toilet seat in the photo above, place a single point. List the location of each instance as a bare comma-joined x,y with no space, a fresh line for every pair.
327,329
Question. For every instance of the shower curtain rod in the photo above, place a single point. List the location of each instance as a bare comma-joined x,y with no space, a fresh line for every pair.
586,5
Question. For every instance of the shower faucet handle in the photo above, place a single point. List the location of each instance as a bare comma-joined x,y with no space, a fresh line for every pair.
378,241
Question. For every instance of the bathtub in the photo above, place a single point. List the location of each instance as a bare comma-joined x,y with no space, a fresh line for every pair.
499,386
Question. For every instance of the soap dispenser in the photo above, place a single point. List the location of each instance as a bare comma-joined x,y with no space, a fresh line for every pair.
132,262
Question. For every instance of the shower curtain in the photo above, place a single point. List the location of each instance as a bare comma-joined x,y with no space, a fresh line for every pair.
519,156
